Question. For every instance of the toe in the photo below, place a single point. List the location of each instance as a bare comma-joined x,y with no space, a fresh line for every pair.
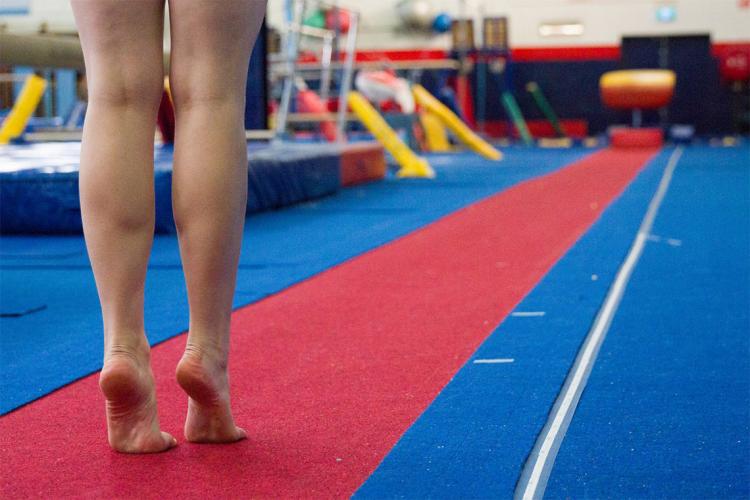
241,433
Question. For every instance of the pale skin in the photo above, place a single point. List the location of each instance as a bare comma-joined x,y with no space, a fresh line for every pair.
211,44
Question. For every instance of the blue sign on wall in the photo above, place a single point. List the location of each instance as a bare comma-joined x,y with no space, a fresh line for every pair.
666,13
14,7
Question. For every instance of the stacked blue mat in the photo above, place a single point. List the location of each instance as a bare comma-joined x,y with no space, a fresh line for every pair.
39,188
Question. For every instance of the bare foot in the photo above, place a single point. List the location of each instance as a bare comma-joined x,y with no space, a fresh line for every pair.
202,374
128,386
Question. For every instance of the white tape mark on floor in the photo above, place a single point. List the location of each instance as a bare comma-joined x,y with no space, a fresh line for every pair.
493,361
536,471
528,314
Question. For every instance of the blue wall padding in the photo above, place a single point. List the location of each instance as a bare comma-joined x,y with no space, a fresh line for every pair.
472,441
49,348
18,85
666,412
700,98
40,195
66,91
256,91
46,107
572,86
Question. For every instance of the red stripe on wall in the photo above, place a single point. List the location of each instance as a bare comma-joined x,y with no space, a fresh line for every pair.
587,53
520,54
401,55
723,49
583,53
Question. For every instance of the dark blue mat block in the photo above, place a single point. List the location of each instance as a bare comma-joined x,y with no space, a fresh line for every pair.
472,441
284,174
47,349
39,183
39,202
666,413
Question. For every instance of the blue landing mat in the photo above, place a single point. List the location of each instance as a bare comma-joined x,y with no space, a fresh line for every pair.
39,183
46,349
666,413
472,441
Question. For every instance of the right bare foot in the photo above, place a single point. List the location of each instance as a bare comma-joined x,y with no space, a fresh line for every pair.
128,386
202,374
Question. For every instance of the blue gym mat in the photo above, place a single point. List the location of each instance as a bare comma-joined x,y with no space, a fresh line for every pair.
666,413
39,183
51,324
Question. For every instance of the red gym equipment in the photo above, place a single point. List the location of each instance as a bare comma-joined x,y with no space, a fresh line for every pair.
636,90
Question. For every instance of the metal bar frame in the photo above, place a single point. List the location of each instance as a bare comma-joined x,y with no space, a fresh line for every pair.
291,49
294,31
346,80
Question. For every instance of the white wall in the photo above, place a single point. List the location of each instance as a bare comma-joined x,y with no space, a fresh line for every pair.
57,14
604,21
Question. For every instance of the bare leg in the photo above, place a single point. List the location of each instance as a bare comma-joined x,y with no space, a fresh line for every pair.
210,52
122,44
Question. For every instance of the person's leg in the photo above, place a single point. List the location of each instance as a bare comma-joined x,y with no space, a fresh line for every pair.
122,45
210,53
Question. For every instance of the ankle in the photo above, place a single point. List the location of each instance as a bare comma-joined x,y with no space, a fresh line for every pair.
131,346
207,352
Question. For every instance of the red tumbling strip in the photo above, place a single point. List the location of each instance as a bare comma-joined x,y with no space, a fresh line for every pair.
329,373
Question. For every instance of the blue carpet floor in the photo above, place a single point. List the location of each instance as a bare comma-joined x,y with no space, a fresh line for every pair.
474,438
666,413
51,324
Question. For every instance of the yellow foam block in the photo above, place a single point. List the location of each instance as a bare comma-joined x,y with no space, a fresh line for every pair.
454,123
434,131
411,164
555,143
27,101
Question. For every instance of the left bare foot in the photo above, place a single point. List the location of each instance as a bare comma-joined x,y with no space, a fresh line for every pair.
128,386
202,374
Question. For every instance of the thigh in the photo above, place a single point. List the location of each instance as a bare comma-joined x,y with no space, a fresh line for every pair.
211,45
122,45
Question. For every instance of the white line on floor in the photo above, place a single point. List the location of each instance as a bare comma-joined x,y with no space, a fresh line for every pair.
493,361
528,314
535,474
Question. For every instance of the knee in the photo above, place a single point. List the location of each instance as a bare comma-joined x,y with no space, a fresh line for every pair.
136,88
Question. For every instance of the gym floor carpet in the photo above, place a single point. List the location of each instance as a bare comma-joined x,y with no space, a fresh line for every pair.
411,339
